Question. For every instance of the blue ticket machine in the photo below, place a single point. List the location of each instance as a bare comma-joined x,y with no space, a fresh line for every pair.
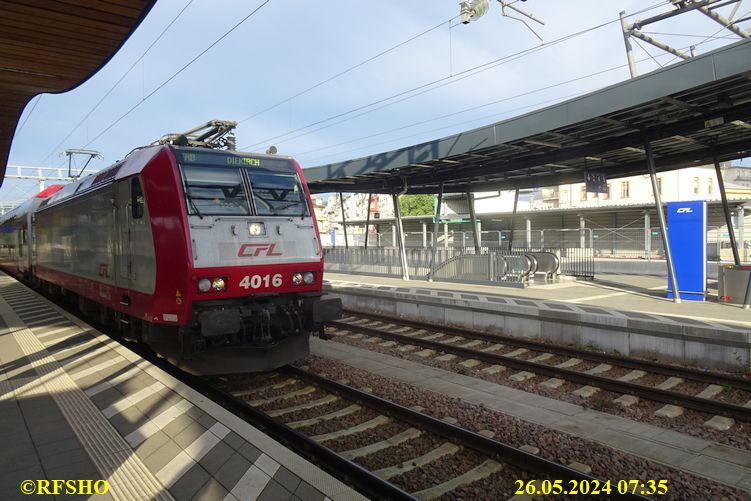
687,234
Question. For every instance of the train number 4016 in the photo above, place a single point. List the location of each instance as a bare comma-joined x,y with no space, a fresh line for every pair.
258,281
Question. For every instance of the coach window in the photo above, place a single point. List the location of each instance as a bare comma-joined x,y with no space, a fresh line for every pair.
136,199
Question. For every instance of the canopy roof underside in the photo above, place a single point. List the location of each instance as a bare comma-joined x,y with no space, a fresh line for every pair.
54,47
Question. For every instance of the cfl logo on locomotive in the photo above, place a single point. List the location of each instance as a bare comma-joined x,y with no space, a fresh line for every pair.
684,210
255,250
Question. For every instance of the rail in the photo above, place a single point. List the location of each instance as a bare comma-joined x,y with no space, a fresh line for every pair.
627,388
532,463
350,472
670,370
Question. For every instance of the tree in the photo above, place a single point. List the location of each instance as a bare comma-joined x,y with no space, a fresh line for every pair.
417,205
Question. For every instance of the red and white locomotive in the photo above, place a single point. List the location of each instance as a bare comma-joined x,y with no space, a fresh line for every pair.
211,256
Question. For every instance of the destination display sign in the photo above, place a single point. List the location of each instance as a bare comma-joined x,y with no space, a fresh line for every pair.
596,182
232,159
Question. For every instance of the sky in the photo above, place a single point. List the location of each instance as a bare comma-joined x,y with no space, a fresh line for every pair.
326,82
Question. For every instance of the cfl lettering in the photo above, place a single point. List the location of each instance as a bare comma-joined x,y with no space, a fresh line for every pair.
684,210
255,250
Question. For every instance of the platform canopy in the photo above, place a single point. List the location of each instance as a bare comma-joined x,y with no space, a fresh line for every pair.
691,113
54,46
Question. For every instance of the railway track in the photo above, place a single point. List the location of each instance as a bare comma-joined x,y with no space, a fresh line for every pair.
425,457
503,351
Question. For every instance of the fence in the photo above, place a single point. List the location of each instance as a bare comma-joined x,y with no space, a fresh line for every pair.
452,238
492,264
632,243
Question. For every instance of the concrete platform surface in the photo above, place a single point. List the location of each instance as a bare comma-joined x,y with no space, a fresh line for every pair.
633,293
76,406
622,314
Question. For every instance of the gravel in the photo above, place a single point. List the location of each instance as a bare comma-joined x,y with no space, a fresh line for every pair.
291,402
604,461
439,471
336,424
500,485
732,396
367,437
401,453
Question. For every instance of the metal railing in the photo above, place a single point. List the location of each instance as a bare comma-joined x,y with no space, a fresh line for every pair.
620,243
519,265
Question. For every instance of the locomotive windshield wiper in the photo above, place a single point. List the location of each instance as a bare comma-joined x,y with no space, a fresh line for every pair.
192,203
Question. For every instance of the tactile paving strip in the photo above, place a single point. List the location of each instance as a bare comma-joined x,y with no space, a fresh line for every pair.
113,457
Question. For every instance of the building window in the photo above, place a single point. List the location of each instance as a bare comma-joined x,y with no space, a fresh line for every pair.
696,186
624,189
606,196
659,185
583,194
710,185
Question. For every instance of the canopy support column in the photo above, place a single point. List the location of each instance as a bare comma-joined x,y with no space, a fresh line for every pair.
436,226
529,232
661,218
647,237
741,225
367,220
473,218
582,231
400,235
513,222
344,221
726,209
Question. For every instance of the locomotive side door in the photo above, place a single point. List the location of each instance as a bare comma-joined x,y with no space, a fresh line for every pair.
124,246
20,255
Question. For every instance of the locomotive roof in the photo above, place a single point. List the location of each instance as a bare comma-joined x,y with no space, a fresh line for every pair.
31,203
133,164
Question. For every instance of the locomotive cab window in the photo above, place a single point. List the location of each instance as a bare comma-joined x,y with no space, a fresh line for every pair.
277,193
136,199
231,184
214,191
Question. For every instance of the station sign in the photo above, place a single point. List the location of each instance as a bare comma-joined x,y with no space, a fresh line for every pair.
596,182
687,234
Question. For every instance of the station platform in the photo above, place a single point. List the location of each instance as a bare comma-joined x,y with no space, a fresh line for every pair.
76,406
628,314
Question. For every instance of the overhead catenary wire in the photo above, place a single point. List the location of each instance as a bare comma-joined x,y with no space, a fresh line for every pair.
114,86
405,95
178,72
711,38
438,83
437,129
28,115
638,43
470,109
474,108
344,72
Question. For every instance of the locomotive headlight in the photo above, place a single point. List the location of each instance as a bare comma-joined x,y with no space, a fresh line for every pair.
297,278
218,284
204,285
256,229
308,277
